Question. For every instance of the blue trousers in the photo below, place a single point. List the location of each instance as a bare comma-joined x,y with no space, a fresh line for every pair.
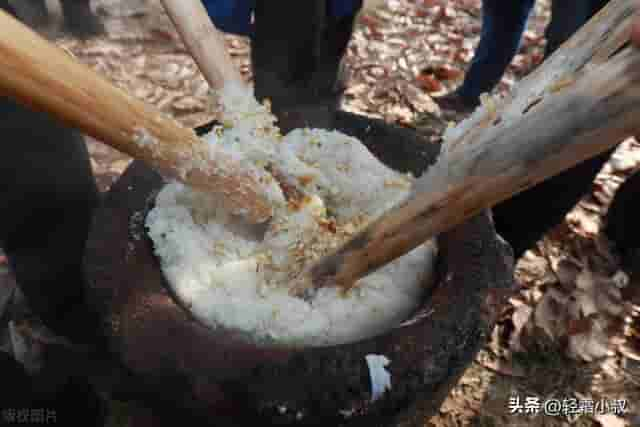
234,16
503,24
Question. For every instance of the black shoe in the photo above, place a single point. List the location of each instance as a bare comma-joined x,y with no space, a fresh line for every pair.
455,103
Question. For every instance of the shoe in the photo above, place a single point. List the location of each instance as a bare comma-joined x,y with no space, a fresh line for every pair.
455,103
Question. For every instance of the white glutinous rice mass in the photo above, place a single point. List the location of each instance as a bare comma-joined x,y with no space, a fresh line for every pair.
324,187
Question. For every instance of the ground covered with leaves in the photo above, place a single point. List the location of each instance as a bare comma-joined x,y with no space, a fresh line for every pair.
571,333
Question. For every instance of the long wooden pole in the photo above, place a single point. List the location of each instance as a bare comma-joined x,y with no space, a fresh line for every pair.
44,77
204,41
579,103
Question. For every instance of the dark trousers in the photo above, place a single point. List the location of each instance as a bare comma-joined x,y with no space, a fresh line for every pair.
566,18
503,23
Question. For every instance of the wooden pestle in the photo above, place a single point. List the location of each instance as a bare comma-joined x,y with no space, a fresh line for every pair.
206,45
204,41
42,76
582,101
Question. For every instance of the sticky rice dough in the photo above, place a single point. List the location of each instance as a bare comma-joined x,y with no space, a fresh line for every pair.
324,187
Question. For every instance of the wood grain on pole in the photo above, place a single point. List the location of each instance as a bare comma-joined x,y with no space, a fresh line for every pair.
42,76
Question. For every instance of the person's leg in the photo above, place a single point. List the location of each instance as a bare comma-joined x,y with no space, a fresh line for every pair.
567,18
523,219
32,12
596,5
341,15
48,194
503,24
553,198
296,62
79,19
231,16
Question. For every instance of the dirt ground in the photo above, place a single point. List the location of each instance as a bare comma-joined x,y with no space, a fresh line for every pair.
401,55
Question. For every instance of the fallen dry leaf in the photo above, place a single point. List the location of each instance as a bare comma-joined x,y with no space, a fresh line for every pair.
586,223
504,368
589,345
420,101
550,314
610,420
429,83
579,326
447,72
520,318
567,271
